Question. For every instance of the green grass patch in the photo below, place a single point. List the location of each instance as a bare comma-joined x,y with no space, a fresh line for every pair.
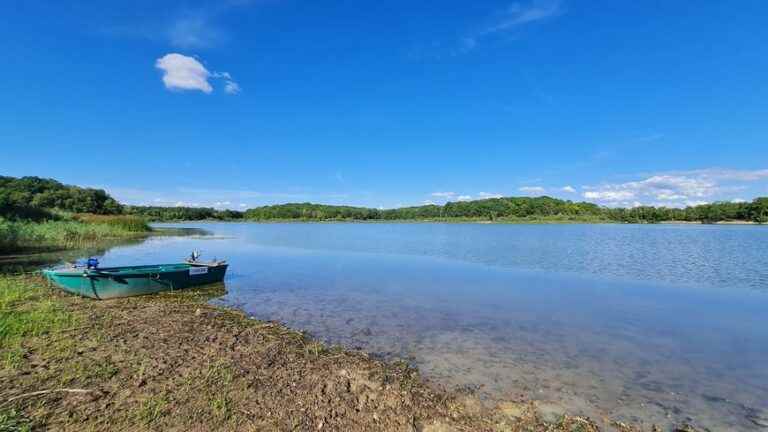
12,421
151,410
27,310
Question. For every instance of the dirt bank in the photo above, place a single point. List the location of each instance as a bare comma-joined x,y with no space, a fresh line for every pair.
171,362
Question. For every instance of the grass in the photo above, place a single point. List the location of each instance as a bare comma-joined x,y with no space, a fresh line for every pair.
151,410
27,309
13,421
80,231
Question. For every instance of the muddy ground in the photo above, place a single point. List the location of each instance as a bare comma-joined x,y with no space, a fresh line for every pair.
171,362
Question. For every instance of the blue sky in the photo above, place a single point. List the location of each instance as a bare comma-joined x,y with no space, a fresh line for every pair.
241,103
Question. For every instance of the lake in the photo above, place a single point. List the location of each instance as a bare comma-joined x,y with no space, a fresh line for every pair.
661,323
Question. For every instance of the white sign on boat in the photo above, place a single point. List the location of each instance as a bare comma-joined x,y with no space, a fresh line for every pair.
197,270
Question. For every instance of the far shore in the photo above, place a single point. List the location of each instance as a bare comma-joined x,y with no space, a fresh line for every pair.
483,221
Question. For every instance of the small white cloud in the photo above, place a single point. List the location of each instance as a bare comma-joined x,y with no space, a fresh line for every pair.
444,194
531,189
242,205
695,203
609,195
486,195
738,200
666,196
186,204
232,87
463,198
568,189
183,73
428,202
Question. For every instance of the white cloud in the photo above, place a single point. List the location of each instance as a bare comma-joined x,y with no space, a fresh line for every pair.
670,196
186,204
182,72
428,202
531,189
676,189
232,87
660,187
486,195
695,203
568,189
463,198
444,194
609,195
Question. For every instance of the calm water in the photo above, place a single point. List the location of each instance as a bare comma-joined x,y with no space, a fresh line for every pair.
662,323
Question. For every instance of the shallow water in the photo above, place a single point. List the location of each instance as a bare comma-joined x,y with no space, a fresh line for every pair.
635,322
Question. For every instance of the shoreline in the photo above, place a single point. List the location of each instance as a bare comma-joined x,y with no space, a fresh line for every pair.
174,361
455,221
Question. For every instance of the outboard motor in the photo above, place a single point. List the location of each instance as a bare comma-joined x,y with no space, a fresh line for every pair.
194,256
92,263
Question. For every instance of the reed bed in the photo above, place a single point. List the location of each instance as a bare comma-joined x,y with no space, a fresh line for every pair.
125,223
82,230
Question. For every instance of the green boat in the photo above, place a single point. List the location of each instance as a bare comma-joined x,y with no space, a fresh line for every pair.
113,282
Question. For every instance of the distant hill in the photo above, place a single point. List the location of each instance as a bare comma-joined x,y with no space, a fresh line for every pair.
35,198
516,208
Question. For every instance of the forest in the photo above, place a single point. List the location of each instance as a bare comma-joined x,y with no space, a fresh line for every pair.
521,209
34,198
169,214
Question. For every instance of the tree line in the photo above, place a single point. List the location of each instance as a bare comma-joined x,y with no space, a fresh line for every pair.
520,208
168,214
34,198
38,199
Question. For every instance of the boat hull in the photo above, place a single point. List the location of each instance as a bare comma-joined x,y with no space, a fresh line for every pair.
114,282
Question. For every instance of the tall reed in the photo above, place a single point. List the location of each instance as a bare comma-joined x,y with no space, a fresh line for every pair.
84,230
